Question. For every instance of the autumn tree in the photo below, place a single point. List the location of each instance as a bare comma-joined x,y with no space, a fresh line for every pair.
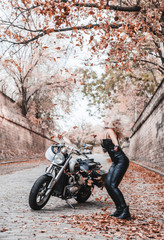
19,71
122,31
35,83
117,34
104,90
118,94
83,133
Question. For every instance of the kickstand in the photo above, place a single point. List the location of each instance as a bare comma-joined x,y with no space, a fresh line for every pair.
70,204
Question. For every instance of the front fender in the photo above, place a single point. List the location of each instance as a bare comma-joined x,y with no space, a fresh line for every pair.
48,174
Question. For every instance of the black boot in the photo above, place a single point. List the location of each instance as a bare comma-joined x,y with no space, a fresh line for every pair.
125,214
118,212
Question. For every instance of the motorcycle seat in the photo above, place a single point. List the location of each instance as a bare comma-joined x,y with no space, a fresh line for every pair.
92,165
89,160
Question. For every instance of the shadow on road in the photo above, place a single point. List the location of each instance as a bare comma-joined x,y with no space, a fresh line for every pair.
90,205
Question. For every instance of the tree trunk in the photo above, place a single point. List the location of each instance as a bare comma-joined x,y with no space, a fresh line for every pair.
24,107
24,101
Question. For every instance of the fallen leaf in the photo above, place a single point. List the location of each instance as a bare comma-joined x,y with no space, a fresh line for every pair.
4,229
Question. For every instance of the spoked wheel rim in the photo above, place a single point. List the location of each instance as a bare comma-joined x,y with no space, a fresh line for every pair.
41,196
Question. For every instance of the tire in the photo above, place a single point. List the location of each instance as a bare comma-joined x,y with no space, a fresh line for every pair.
37,198
83,194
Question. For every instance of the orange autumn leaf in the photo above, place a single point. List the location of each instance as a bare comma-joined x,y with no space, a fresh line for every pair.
99,15
106,199
104,209
75,29
19,68
94,136
97,199
3,230
91,38
107,67
108,159
91,12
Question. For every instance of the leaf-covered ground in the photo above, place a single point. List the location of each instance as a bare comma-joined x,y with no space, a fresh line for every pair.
144,192
142,189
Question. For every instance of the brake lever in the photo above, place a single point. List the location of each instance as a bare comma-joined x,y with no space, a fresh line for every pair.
78,153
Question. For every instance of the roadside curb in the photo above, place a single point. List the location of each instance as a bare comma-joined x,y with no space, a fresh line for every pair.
148,168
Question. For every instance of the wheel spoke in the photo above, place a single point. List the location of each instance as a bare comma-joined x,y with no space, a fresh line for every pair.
41,194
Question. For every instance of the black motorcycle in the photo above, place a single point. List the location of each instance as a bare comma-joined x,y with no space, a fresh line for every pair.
67,177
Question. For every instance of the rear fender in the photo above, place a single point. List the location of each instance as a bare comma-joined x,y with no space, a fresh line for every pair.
99,177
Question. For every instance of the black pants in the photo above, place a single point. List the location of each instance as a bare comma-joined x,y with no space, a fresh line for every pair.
114,177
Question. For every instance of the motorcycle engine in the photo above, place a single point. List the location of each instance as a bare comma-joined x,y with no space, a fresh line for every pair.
74,183
73,165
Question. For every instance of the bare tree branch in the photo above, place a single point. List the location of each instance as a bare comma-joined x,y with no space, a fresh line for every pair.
48,31
31,68
110,7
135,8
159,51
154,77
160,68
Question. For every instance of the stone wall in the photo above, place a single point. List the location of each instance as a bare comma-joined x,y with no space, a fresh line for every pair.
18,139
147,140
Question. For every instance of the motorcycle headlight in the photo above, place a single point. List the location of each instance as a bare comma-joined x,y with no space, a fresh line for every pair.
59,158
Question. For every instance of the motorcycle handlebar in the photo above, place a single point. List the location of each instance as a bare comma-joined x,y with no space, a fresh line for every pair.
77,151
71,148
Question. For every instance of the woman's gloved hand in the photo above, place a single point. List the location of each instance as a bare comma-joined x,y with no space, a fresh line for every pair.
104,150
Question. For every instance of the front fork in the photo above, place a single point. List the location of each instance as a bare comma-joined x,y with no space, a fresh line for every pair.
56,178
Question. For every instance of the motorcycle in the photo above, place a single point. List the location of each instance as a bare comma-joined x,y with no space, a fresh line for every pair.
66,177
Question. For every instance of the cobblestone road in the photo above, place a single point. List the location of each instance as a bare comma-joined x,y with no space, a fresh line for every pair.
18,221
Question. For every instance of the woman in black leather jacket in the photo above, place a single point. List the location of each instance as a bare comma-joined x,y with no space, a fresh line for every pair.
120,164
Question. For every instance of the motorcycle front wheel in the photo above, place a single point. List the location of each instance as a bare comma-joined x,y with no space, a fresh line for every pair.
83,194
38,197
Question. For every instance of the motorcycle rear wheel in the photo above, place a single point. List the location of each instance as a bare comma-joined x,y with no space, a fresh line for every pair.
37,197
83,194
